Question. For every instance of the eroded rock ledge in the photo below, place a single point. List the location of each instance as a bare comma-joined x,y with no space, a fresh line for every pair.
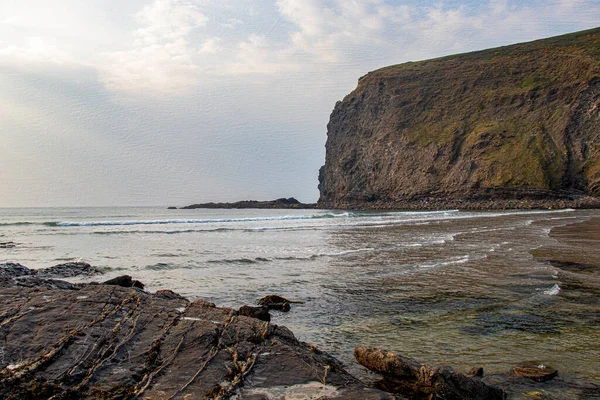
114,340
65,341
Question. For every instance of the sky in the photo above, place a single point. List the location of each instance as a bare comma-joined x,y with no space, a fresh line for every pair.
174,102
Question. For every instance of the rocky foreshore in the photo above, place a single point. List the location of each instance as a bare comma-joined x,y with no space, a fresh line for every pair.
63,340
483,204
114,340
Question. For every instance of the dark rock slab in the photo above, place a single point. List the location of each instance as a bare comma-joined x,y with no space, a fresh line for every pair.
276,302
261,313
11,269
412,379
169,295
109,341
69,270
124,281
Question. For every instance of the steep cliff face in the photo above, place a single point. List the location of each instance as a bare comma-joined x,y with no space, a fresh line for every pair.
514,126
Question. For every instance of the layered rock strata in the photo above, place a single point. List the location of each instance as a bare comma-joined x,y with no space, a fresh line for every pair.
88,341
515,126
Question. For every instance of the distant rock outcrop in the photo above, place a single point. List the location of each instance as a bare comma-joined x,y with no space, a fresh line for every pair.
278,203
515,126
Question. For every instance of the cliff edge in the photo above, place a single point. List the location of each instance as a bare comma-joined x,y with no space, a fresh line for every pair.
516,126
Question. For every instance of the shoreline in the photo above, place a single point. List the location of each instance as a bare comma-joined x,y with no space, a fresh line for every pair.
35,302
433,204
89,340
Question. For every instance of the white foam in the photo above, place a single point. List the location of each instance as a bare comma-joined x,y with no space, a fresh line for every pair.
452,261
312,390
553,291
191,319
202,221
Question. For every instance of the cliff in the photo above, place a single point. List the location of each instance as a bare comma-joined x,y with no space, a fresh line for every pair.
515,126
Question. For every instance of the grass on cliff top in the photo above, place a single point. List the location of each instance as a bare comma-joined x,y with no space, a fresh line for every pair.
583,43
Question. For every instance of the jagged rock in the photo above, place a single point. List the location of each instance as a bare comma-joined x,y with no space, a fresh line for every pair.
511,127
169,295
261,313
68,270
33,281
476,372
276,302
108,341
124,281
535,371
11,269
17,275
410,378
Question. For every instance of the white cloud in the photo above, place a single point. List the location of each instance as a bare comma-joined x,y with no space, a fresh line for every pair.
232,23
256,56
161,58
210,46
35,50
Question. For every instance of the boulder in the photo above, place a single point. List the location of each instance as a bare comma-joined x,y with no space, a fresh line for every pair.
169,295
11,269
276,302
535,371
124,281
68,270
261,313
410,378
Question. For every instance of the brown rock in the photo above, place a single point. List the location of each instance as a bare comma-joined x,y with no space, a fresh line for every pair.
124,281
476,372
462,132
261,313
535,371
412,379
68,270
109,341
276,302
169,295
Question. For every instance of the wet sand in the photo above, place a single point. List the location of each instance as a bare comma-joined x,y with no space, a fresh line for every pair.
577,256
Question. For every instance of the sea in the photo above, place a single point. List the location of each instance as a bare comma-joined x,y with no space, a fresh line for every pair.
458,288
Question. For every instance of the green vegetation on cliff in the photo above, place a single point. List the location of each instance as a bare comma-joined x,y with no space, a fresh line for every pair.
515,122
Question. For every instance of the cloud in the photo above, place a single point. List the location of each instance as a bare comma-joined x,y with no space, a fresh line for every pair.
365,32
35,50
256,55
232,23
161,57
210,46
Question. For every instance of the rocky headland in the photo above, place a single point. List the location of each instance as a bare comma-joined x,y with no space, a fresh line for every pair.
277,203
510,127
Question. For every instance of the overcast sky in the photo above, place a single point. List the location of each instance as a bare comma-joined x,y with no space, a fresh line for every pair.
171,102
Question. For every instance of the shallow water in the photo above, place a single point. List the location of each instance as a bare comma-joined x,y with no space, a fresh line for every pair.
455,288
